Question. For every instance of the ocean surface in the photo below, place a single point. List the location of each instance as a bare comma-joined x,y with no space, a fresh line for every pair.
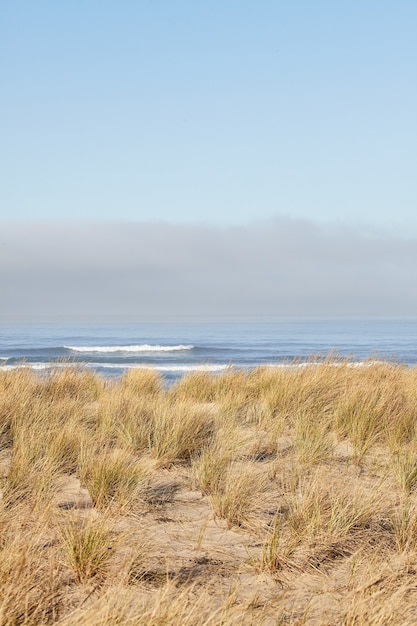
177,348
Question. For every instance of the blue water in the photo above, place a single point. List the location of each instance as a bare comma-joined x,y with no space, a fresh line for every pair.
174,349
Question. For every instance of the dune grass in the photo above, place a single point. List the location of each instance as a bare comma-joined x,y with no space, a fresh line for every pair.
274,496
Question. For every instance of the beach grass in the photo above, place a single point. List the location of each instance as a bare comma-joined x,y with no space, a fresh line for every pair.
282,495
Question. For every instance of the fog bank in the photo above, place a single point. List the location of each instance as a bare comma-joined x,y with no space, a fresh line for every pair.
117,270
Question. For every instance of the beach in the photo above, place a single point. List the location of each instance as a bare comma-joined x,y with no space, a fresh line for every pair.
275,495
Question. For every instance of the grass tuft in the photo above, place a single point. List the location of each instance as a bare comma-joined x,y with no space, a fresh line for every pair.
87,548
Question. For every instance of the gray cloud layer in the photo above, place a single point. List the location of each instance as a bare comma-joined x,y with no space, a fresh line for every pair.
104,270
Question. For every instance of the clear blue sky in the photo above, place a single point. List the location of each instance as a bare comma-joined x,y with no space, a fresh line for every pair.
214,112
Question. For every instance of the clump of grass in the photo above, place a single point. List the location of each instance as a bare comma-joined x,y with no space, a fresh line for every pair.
196,387
306,508
358,418
88,548
170,430
109,412
235,488
404,465
32,481
71,382
142,383
315,511
7,407
312,440
114,477
404,522
384,593
45,441
239,497
210,468
63,446
32,472
180,430
277,550
135,423
229,390
29,584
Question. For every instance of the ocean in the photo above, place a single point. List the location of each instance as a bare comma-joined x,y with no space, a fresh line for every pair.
174,349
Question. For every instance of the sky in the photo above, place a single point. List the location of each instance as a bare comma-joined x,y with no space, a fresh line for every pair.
204,128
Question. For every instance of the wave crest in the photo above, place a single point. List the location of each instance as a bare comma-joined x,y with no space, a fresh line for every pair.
135,348
115,366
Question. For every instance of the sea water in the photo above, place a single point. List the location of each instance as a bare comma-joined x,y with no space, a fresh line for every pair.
174,349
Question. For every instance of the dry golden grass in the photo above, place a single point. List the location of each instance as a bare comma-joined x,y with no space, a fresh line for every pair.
276,496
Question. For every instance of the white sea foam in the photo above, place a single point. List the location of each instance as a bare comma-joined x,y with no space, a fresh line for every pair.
201,367
135,348
159,368
164,368
32,366
352,364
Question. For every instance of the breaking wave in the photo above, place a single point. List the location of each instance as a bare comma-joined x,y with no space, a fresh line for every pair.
180,367
135,348
124,366
352,364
